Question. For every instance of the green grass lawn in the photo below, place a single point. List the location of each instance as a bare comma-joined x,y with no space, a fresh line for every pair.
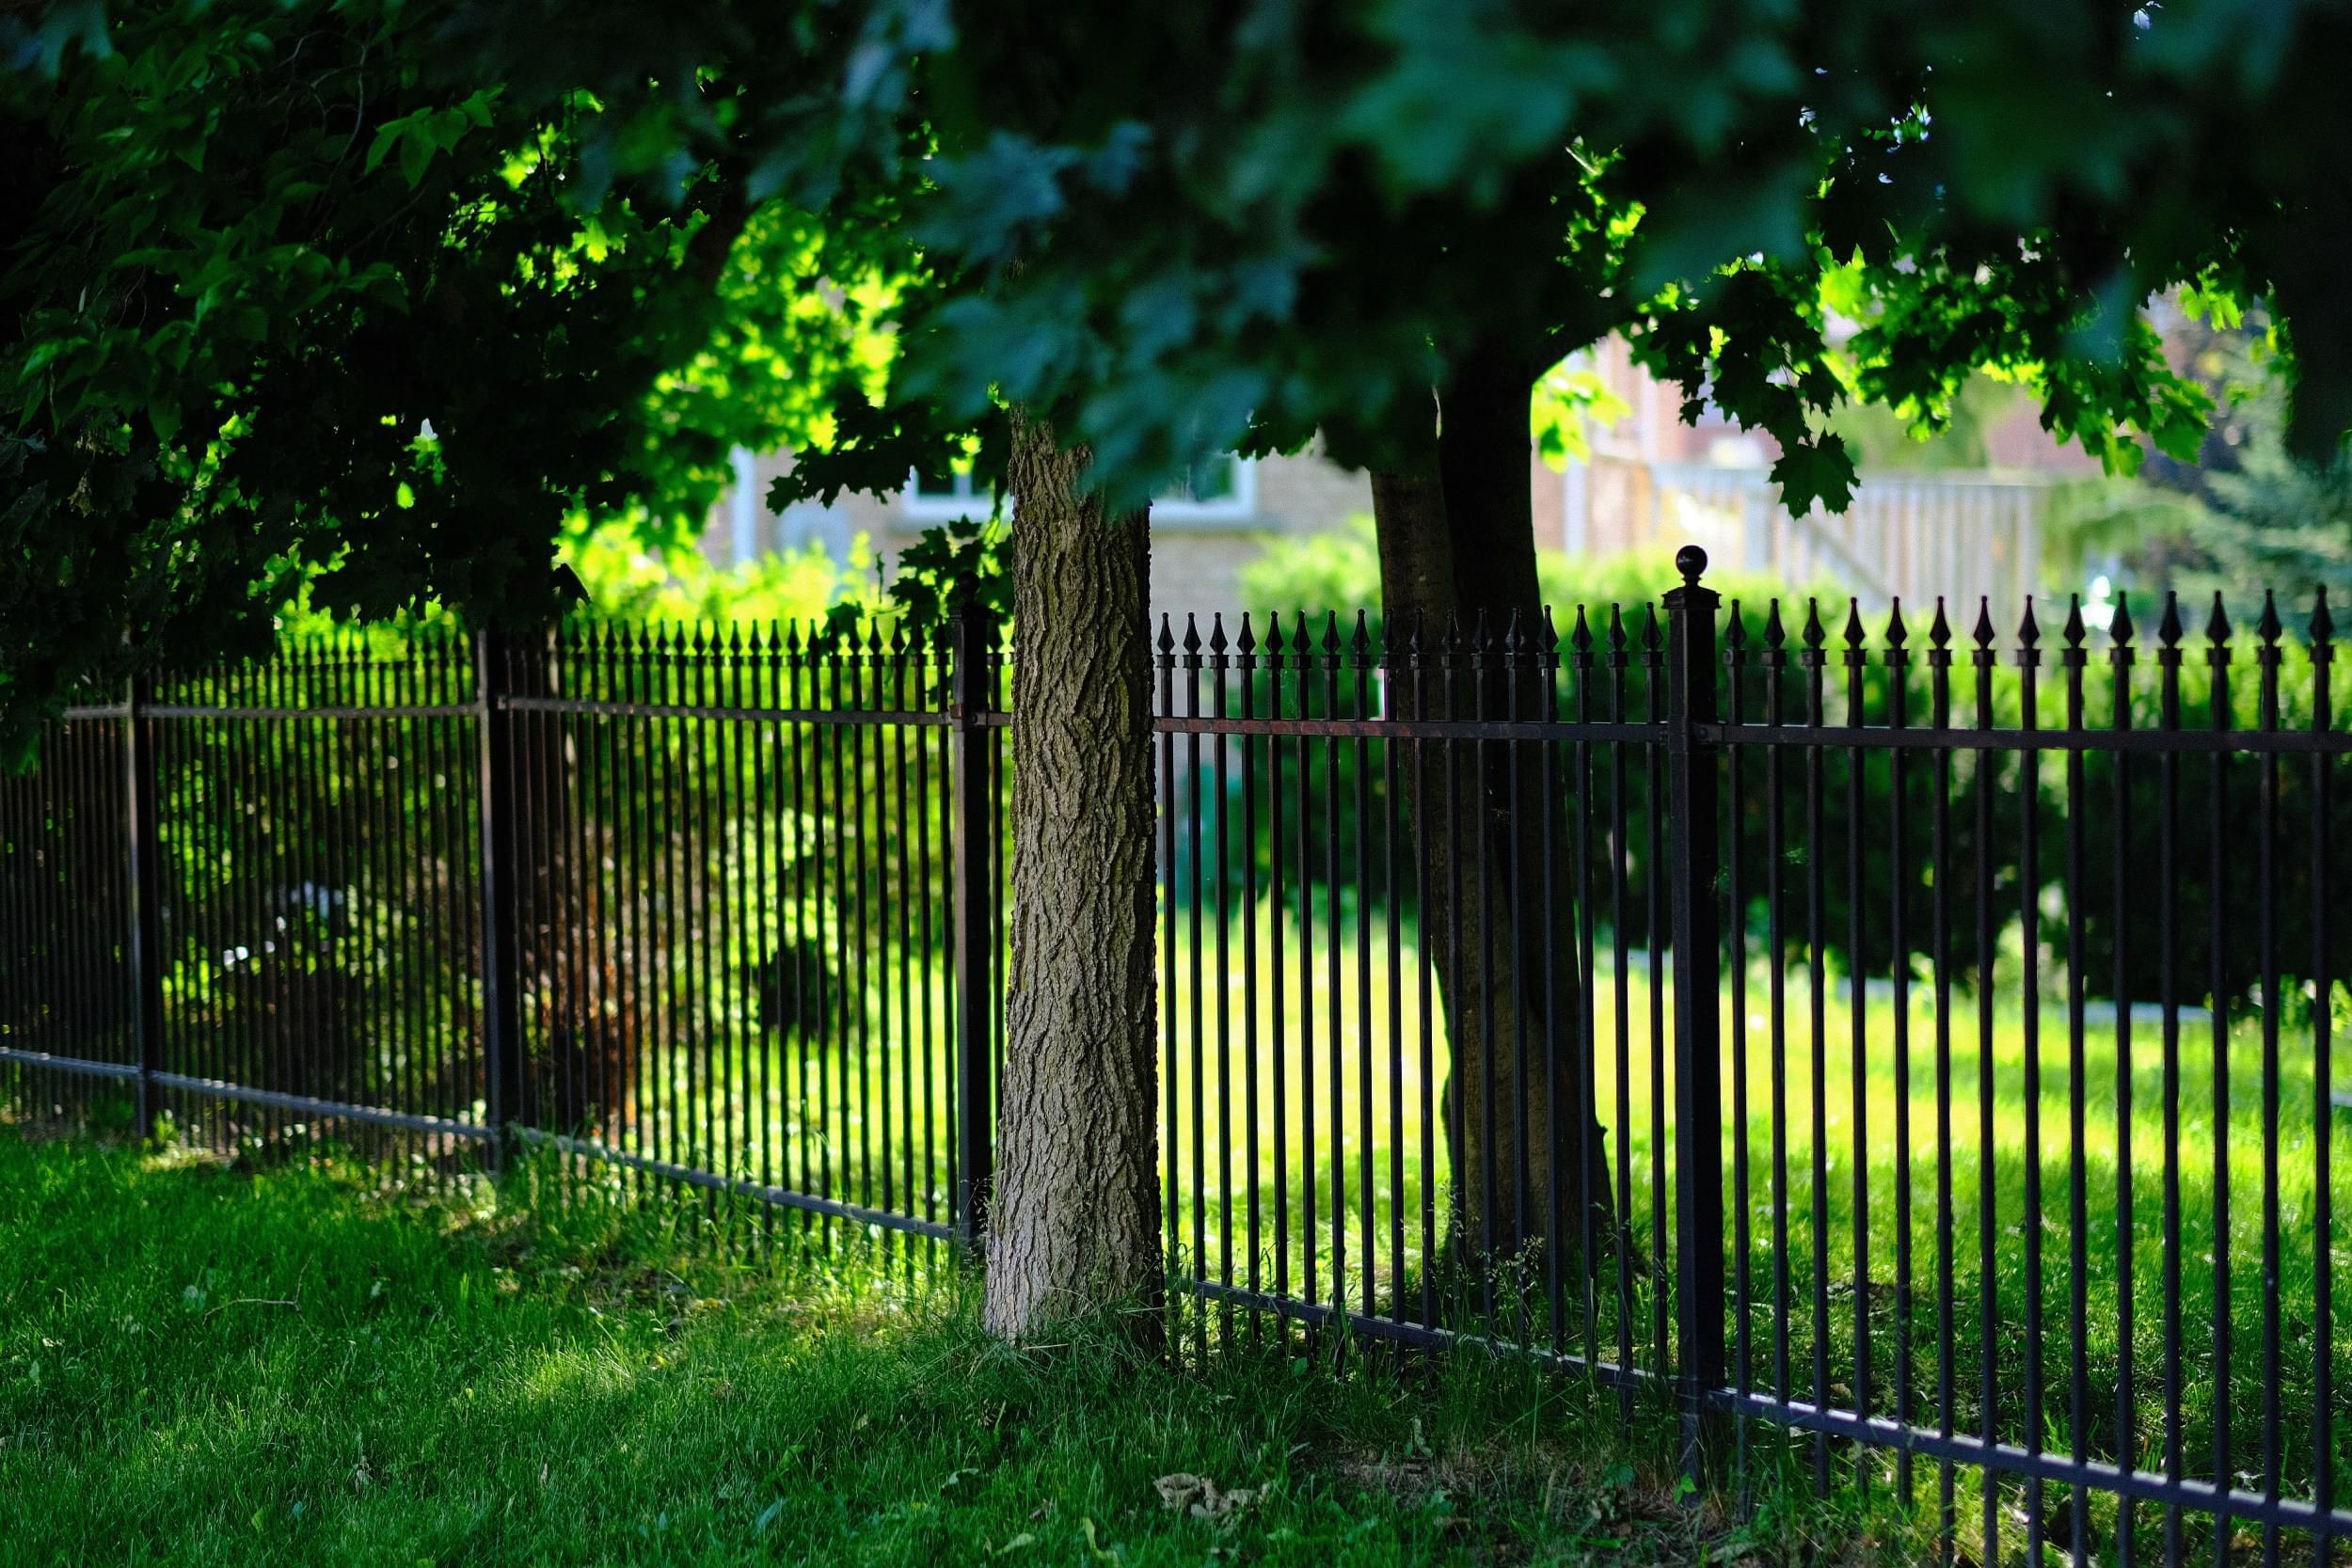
855,1115
1871,1145
205,1364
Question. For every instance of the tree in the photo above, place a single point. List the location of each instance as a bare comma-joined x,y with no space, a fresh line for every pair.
1385,224
289,306
1377,223
1076,1222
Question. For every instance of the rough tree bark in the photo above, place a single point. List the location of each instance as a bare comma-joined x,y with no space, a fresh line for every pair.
1074,1224
1457,550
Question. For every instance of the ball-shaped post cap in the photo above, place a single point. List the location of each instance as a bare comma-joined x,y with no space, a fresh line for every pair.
1691,561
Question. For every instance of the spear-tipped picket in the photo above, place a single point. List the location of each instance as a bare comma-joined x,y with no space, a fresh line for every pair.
1581,641
1775,635
1217,640
1983,634
2169,630
1192,642
1247,643
1855,635
1360,644
2322,625
2028,637
2268,630
2218,630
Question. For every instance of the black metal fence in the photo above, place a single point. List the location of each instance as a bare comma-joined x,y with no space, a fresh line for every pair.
1911,1045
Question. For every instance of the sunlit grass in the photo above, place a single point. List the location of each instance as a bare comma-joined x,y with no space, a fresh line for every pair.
1883,1156
215,1366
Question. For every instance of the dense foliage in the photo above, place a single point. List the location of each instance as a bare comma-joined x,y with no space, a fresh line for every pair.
374,296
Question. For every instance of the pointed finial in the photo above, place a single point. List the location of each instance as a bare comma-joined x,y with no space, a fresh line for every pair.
1650,643
2323,624
2119,626
1691,562
1216,636
1330,632
1547,639
1361,641
1192,636
1775,635
1736,634
1617,633
1940,631
1247,641
2268,628
2075,631
1897,633
1301,642
2169,629
2217,624
1814,635
1274,634
1854,634
1581,637
1167,639
2028,636
1983,634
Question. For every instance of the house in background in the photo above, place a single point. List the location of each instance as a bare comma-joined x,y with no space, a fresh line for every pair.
1652,482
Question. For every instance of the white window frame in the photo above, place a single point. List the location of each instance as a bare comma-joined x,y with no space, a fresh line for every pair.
1236,505
965,502
1239,504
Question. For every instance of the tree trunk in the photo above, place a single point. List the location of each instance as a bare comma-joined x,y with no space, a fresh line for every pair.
1076,1222
1458,557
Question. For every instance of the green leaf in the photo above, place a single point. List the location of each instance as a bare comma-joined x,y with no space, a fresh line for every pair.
1818,471
382,143
416,155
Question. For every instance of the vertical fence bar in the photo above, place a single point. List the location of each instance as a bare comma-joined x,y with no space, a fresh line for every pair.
501,988
976,926
1697,978
146,846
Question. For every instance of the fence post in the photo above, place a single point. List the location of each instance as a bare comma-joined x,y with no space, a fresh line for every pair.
502,1009
147,942
969,703
1695,833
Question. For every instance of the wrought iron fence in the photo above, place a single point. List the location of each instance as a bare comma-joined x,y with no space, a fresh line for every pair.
1922,1053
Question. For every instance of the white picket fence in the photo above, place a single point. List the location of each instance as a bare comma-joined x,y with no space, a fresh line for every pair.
1959,534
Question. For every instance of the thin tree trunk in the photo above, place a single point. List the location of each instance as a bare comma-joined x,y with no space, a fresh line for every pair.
1458,557
1076,1222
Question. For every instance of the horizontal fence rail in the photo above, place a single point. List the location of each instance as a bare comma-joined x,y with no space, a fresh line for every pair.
1903,1046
